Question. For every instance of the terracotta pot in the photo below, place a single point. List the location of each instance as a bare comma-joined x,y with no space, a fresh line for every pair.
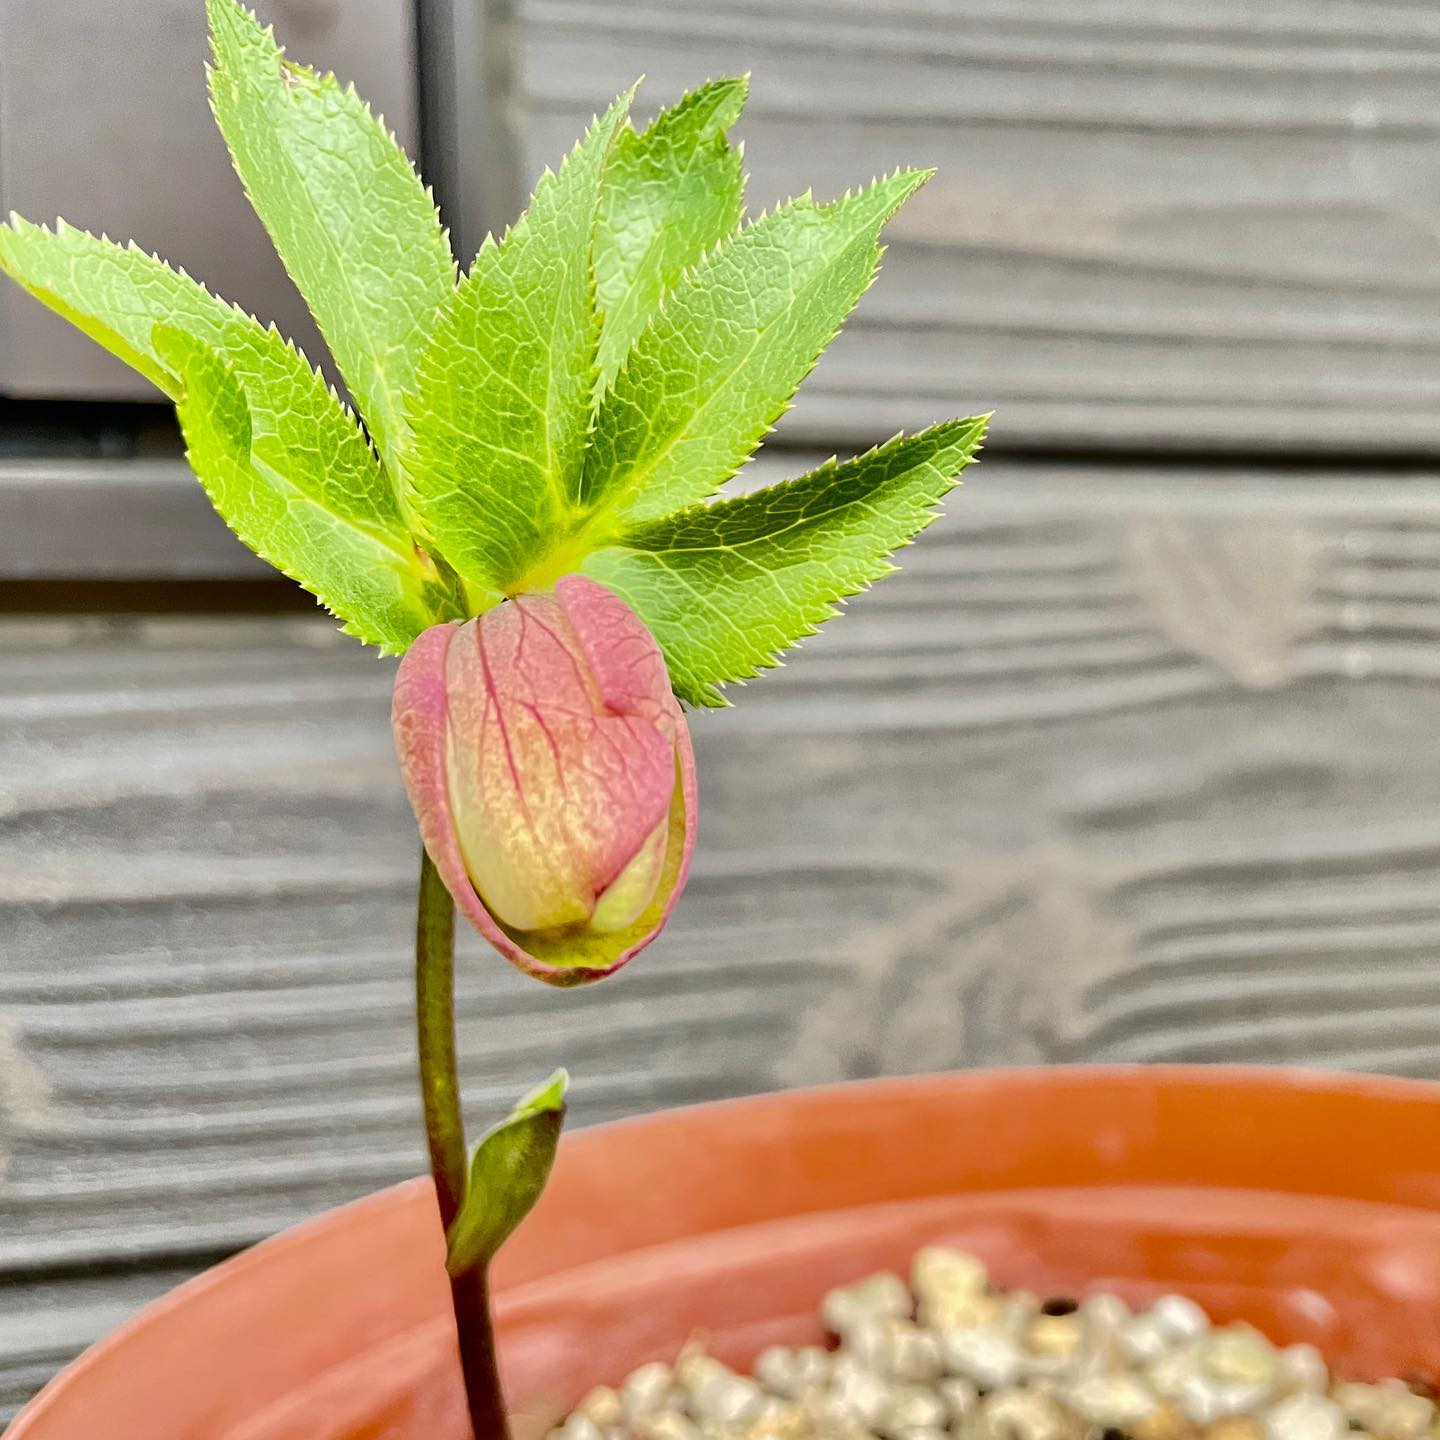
1308,1204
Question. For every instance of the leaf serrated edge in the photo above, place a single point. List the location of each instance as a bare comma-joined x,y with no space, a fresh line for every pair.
393,468
172,385
805,199
711,694
883,565
458,297
719,138
328,78
695,95
547,176
348,627
62,227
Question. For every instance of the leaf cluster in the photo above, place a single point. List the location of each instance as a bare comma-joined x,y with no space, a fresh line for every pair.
573,401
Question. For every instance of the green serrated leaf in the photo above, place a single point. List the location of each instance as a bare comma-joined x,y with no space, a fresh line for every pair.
511,1165
112,294
670,195
119,295
720,362
725,588
349,217
501,412
292,494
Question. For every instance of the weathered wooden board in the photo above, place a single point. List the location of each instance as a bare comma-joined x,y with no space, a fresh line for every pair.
1210,226
133,519
1125,765
104,119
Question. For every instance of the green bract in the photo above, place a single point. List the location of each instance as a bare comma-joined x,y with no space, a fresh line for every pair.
571,403
508,1171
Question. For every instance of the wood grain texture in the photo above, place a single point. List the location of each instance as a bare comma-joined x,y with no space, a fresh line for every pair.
104,119
1124,765
145,519
1205,226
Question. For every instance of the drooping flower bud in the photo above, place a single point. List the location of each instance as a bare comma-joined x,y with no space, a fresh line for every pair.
550,768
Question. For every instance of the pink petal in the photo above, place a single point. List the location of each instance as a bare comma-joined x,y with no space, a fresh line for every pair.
553,792
419,714
624,672
623,656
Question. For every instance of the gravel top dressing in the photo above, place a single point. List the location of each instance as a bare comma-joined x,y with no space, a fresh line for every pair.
949,1357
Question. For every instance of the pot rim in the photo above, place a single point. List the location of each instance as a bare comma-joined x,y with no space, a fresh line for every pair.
336,1223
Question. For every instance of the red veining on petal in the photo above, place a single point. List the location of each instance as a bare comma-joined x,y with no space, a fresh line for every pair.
554,718
420,716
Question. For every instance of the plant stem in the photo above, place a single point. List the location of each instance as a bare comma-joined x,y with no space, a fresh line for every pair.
470,1296
445,1132
435,1022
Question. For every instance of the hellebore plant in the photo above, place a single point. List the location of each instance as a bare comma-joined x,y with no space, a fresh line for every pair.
524,510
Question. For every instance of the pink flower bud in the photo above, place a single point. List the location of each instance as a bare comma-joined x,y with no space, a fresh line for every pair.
550,768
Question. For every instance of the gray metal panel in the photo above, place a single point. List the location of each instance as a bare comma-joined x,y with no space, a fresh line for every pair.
104,120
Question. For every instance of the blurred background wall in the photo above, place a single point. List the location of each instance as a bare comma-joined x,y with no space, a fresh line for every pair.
1209,227
1135,761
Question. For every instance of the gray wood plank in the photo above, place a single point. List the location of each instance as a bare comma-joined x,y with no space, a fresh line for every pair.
104,119
1205,227
1208,227
1125,765
144,519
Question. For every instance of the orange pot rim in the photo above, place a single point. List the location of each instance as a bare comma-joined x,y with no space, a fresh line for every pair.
592,1152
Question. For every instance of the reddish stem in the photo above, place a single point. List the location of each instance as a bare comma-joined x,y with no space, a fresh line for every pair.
445,1133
